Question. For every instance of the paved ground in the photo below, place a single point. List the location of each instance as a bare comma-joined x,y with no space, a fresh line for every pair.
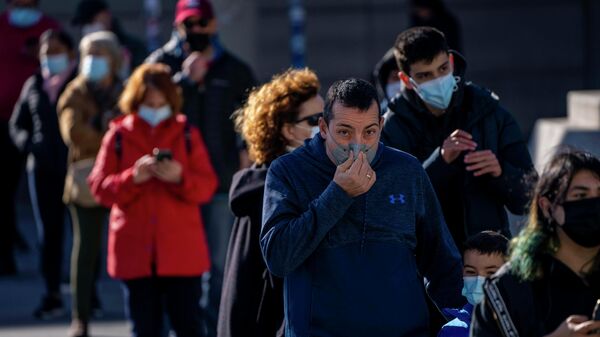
20,295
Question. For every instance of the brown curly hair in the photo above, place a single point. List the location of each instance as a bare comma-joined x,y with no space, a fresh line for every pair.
269,107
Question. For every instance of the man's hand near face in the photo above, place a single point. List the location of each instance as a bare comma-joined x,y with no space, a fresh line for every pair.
195,67
355,177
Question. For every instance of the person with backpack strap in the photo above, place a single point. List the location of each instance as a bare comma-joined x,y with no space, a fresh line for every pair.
153,171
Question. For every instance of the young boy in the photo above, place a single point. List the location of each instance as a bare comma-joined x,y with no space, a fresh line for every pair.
484,254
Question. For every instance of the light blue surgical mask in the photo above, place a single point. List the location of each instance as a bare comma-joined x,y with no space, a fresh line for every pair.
392,89
473,288
24,17
95,68
341,153
437,92
55,64
154,116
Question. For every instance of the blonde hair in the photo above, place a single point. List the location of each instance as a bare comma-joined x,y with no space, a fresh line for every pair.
269,107
106,41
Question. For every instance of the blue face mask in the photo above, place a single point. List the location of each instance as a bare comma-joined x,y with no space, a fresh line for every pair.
473,288
55,64
438,92
95,68
154,116
392,89
24,17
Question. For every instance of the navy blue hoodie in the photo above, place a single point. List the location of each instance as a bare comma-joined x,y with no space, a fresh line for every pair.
355,266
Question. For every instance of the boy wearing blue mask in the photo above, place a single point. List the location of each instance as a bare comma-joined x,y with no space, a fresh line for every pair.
470,146
484,254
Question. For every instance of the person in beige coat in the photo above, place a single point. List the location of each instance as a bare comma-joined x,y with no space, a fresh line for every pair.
84,110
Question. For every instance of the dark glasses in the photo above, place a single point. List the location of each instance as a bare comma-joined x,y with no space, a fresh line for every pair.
189,24
312,120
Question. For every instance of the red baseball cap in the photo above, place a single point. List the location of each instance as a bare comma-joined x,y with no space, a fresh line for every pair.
187,8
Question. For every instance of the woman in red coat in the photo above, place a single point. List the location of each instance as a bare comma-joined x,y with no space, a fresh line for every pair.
156,239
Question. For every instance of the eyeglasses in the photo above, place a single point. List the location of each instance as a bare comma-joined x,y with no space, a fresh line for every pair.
312,120
202,22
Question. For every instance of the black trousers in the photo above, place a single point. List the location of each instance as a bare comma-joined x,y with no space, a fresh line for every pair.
10,173
46,190
149,297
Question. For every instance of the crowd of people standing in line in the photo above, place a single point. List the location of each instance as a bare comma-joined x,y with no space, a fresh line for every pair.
377,210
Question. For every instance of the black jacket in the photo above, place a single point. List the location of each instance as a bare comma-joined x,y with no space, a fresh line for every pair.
34,125
533,308
251,299
470,204
209,107
135,46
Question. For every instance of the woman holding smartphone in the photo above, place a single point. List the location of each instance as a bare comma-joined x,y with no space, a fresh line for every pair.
552,282
156,239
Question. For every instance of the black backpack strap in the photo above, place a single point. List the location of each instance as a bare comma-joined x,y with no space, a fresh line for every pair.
187,135
118,144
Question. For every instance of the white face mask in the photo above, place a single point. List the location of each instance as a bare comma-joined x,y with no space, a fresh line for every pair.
92,28
154,116
392,89
314,131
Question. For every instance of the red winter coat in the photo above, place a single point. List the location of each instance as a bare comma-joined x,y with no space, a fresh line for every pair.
153,222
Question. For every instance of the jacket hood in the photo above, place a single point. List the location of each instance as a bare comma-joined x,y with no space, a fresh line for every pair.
247,186
381,71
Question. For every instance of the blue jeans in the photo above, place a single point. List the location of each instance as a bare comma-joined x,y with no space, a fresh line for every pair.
218,222
149,298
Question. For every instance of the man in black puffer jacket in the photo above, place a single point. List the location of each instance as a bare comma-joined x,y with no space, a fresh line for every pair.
470,146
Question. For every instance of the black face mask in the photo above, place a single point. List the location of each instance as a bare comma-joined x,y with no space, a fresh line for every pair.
582,221
197,41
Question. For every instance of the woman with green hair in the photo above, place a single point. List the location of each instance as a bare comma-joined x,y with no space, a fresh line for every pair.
552,281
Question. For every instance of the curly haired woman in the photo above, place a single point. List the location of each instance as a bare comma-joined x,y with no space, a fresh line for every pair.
276,119
552,281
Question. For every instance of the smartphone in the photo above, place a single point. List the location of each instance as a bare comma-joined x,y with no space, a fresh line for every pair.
162,154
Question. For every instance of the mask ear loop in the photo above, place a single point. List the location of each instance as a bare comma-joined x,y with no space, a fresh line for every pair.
457,80
415,85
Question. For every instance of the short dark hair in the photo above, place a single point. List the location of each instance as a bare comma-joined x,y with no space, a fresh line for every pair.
351,93
418,44
63,37
488,243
